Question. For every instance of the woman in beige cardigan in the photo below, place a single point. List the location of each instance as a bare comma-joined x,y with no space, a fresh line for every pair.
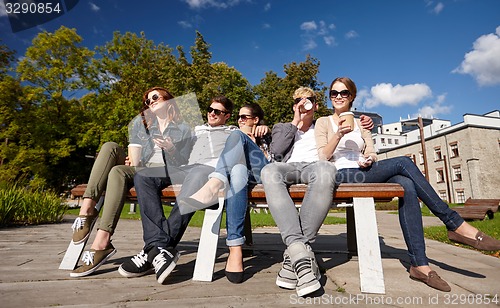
351,148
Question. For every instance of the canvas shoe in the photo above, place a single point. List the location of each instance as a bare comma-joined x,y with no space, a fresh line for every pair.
164,261
136,266
82,226
286,276
305,268
92,260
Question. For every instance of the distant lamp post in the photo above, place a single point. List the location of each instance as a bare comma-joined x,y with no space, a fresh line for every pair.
420,125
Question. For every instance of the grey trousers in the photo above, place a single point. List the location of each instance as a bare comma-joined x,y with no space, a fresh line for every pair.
299,226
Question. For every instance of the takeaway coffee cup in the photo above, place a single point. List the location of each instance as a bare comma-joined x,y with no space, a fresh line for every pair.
134,154
349,119
308,105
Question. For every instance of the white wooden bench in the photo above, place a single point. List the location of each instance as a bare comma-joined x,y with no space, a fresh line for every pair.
362,230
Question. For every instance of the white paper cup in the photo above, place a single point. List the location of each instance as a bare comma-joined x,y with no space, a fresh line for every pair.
308,105
349,119
134,154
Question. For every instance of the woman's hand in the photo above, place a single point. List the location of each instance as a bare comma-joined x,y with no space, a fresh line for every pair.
164,143
260,131
127,161
343,129
366,162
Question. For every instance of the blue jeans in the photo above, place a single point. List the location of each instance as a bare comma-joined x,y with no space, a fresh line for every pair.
240,163
159,231
302,226
403,171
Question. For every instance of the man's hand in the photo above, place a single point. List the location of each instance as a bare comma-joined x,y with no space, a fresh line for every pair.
366,122
261,131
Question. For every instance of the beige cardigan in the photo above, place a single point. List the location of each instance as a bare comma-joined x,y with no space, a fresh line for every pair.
323,131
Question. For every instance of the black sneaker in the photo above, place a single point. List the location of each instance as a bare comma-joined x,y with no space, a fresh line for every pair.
136,266
164,261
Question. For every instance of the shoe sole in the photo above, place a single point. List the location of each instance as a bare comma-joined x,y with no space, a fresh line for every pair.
169,269
126,274
286,283
90,271
309,289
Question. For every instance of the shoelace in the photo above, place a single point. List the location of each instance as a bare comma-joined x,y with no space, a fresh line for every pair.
79,223
140,259
160,259
287,263
88,257
303,267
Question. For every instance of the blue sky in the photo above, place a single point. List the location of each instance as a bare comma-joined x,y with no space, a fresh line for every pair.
434,58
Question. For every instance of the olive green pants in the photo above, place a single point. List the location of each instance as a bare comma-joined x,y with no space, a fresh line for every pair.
109,173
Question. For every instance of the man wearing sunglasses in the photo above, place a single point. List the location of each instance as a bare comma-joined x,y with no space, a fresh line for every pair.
161,235
293,147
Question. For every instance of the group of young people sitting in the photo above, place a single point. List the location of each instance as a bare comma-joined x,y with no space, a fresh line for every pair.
215,156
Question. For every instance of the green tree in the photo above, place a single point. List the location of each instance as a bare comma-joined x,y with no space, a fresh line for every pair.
55,68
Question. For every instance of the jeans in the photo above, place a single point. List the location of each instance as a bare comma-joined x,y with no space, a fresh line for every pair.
302,226
240,163
159,231
403,171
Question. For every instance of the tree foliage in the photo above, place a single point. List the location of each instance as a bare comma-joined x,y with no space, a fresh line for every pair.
66,100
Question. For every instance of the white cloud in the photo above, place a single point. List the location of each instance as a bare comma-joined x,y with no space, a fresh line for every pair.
330,40
437,108
351,34
395,96
185,24
94,7
202,4
438,8
308,26
267,7
483,62
266,26
313,30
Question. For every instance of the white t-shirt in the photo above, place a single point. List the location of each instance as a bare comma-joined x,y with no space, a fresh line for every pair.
304,148
350,148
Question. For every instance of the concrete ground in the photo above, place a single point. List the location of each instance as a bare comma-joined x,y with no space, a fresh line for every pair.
29,274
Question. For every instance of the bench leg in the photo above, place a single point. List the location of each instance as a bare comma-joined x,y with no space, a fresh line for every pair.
371,274
248,228
207,247
351,232
74,251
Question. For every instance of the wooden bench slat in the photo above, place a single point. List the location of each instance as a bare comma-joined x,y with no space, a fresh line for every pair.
344,192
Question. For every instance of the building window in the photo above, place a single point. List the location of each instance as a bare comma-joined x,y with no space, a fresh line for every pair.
454,149
442,195
460,196
439,175
374,141
437,154
389,141
396,141
382,140
457,173
421,158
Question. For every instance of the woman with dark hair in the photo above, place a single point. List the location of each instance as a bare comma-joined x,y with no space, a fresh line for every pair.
245,154
165,139
351,148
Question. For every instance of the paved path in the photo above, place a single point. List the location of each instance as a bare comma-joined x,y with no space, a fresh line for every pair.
30,256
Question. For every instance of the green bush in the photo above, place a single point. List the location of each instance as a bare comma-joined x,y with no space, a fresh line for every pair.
27,206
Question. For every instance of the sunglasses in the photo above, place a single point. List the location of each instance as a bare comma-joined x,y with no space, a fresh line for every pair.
343,93
298,99
244,117
216,111
153,99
